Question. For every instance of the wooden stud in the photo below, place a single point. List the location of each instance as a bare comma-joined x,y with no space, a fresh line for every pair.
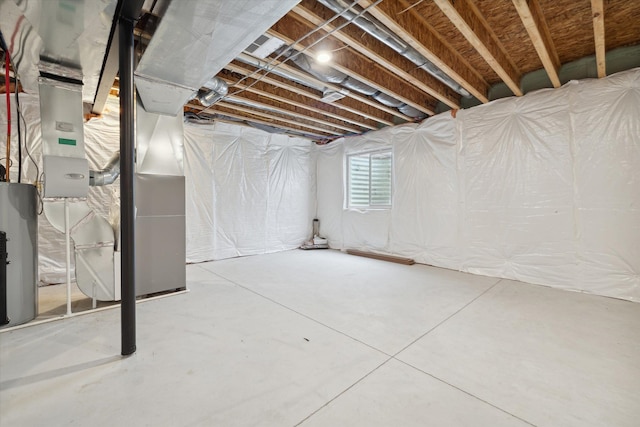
383,55
597,9
536,27
464,16
429,45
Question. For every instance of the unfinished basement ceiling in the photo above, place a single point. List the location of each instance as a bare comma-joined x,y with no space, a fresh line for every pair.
397,61
474,45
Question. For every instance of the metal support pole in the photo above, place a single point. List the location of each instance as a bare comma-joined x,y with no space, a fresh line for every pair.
127,206
4,318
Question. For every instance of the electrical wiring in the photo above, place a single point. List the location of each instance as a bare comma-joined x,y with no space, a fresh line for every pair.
26,145
309,34
266,68
21,122
35,164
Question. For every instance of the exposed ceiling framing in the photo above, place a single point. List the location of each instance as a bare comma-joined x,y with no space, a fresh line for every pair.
474,44
533,21
597,8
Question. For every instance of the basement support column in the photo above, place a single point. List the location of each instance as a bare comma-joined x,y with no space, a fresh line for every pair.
127,206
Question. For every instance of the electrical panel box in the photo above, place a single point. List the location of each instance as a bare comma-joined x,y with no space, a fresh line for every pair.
65,176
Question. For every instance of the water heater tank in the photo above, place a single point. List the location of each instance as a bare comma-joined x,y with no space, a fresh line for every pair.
18,219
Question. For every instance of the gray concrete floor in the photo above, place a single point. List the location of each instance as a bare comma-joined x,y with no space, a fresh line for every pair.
321,338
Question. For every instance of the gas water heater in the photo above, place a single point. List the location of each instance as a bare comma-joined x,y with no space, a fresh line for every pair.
18,253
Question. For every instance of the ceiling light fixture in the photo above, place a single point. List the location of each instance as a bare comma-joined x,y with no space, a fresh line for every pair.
323,56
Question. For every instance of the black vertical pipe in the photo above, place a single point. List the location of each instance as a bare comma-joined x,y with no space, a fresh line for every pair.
127,206
4,318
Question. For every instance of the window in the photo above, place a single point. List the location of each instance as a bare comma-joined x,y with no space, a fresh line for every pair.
369,180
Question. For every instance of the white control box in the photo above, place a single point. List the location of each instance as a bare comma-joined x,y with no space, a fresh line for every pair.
65,176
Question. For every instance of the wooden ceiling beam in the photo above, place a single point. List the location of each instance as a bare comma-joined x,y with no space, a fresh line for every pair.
266,110
272,116
291,101
597,12
534,22
353,64
377,51
346,104
465,17
284,101
360,98
356,113
220,110
429,45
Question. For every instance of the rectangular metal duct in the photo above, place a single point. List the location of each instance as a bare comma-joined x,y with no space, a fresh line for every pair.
194,41
65,38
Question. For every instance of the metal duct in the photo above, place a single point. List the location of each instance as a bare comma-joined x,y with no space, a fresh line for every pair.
108,174
348,82
254,62
328,74
410,111
380,32
217,85
322,72
387,100
358,86
64,38
218,89
194,41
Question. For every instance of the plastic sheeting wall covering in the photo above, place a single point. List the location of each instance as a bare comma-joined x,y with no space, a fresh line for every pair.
248,191
543,188
101,140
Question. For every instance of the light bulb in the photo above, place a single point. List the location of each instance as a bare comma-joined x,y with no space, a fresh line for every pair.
323,57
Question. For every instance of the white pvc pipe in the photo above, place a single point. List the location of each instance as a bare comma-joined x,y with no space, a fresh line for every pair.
67,235
94,303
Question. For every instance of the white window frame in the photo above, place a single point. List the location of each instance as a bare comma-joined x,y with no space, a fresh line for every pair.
369,206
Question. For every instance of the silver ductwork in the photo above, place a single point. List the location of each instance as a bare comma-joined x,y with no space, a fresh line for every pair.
262,65
387,100
331,75
408,110
194,41
358,86
216,90
108,174
376,29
